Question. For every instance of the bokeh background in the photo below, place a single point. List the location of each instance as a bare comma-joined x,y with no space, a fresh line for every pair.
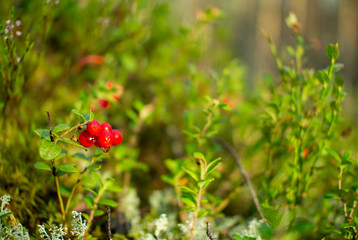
163,56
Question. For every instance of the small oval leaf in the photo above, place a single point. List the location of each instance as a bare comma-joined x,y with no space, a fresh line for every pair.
61,127
108,202
67,168
49,150
43,166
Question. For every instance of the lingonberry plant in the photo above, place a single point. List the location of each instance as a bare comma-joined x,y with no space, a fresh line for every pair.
101,135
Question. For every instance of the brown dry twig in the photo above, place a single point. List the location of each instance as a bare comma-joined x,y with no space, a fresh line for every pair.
243,172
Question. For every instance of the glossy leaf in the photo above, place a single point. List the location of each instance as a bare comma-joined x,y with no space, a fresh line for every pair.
80,156
90,190
187,189
79,114
43,166
332,51
61,127
49,150
193,174
213,165
5,215
61,155
69,141
114,189
98,178
43,133
67,168
94,167
108,202
89,181
98,213
188,199
88,200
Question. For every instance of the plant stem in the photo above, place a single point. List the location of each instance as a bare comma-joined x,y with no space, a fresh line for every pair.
71,195
243,172
71,129
340,192
94,208
198,198
60,199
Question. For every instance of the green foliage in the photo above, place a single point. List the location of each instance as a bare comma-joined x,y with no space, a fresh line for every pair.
157,79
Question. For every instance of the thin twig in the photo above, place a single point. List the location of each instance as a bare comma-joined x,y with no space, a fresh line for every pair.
209,233
243,172
49,124
109,233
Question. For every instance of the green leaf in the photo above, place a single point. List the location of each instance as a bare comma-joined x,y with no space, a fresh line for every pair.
90,190
199,155
98,213
86,116
89,181
339,81
80,156
132,115
98,178
108,202
49,150
204,183
212,165
191,173
322,77
85,215
5,215
91,115
337,67
237,237
332,196
67,168
66,140
168,179
43,166
334,154
188,199
202,212
332,51
79,114
61,127
61,155
43,133
225,106
187,189
94,167
89,201
114,189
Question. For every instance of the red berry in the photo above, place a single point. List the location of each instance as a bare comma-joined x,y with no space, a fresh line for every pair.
96,142
104,139
94,128
117,137
103,103
106,127
86,139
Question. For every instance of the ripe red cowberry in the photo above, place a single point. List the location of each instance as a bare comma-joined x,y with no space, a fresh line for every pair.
117,137
94,128
96,142
86,139
103,103
106,127
104,139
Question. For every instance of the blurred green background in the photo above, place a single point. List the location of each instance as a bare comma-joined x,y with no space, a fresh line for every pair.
163,56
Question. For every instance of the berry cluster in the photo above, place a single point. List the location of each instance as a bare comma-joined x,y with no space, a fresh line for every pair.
101,135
